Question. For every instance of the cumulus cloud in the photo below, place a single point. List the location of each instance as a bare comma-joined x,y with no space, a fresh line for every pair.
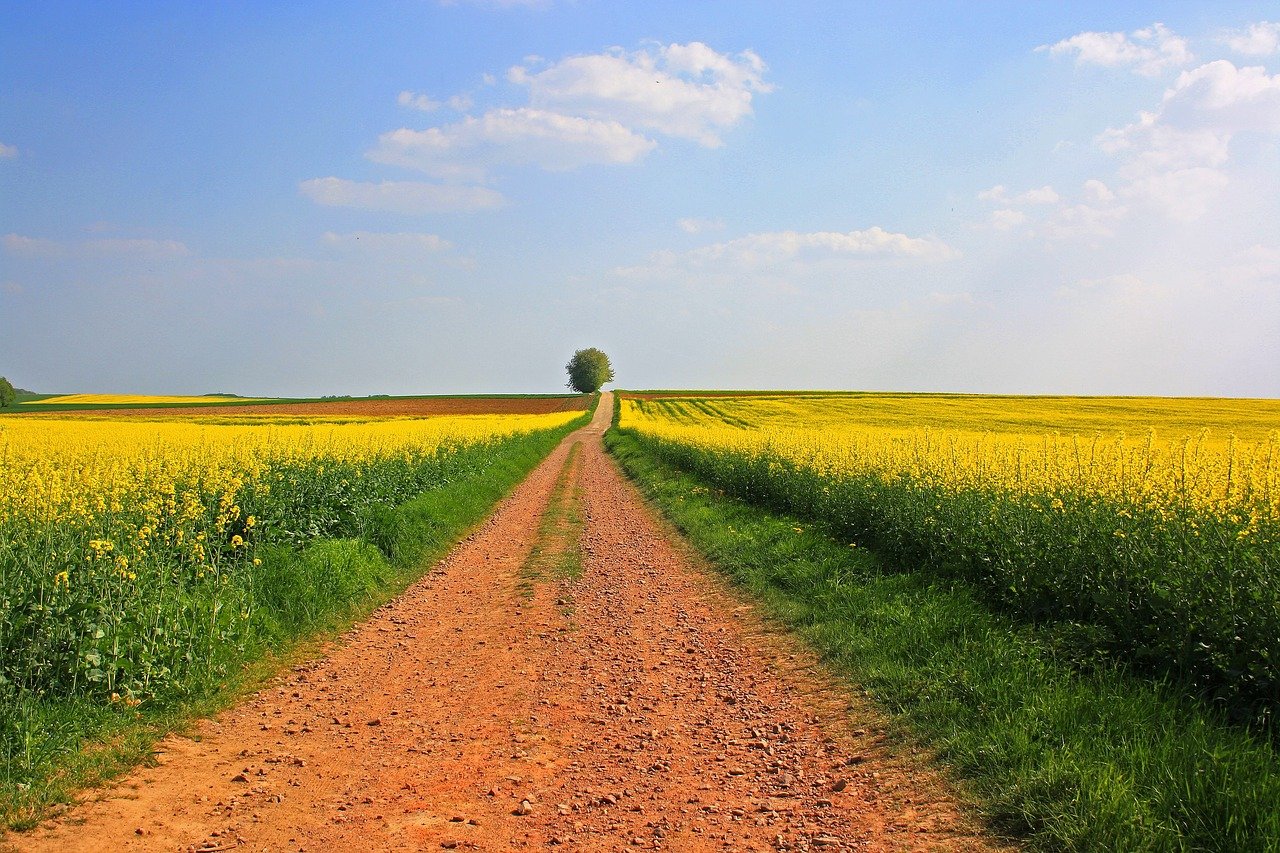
697,226
683,90
1222,98
417,101
1258,39
465,149
595,109
399,242
8,152
1149,51
408,197
1174,153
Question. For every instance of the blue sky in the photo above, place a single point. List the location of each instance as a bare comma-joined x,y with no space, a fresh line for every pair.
418,197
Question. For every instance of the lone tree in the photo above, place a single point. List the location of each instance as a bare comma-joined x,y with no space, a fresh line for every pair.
8,396
588,370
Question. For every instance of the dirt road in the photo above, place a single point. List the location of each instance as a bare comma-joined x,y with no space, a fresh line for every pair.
500,704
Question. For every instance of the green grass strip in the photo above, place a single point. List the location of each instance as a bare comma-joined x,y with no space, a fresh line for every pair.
1064,756
56,746
556,553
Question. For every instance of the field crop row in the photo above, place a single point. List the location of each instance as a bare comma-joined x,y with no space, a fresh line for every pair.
1163,552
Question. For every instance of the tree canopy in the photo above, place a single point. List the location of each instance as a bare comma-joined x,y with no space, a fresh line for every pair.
588,370
8,396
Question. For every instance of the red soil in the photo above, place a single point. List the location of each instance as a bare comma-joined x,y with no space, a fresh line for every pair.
414,406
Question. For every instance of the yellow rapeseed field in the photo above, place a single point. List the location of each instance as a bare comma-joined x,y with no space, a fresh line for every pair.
1219,456
78,469
137,556
1155,523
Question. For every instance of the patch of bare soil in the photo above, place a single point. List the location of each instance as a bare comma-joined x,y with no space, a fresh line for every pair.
391,407
638,706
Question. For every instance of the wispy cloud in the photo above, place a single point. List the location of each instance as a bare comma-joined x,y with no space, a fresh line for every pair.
417,101
407,197
8,152
467,149
1149,51
776,249
24,246
400,242
691,225
683,90
1000,195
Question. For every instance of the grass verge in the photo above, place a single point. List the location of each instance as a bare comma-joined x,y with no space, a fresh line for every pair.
1064,755
57,746
556,553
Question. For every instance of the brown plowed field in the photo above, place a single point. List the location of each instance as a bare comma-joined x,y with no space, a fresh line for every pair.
639,706
392,407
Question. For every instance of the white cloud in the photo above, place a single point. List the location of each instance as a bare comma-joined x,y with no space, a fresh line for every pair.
1007,219
1083,221
463,150
1182,194
698,226
999,194
8,152
1174,154
582,110
1221,97
1097,191
1258,265
1148,51
684,90
1258,39
20,245
501,4
368,241
408,197
417,101
943,298
757,252
1124,287
772,247
139,247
